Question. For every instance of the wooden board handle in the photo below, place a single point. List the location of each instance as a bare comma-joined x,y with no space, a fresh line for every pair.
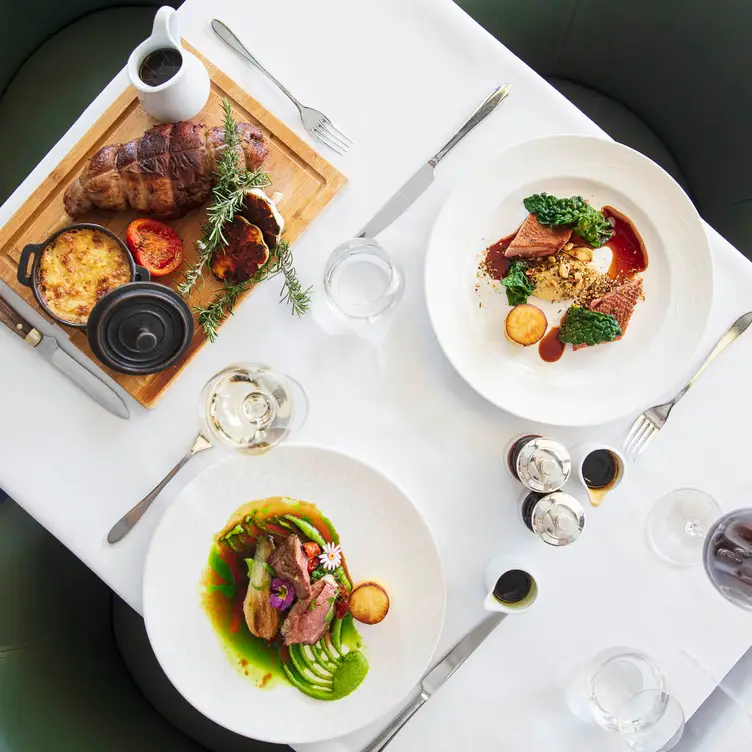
14,322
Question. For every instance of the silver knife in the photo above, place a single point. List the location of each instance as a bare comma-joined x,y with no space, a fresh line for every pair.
424,176
49,349
437,676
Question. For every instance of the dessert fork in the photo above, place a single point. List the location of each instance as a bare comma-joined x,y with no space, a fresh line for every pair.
315,122
653,419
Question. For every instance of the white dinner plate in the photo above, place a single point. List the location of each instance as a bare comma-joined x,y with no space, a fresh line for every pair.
383,536
596,384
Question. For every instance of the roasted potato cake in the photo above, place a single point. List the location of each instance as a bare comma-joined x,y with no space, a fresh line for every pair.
526,324
369,603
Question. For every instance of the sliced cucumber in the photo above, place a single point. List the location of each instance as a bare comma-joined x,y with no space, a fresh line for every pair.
337,635
330,650
323,658
304,671
310,660
318,693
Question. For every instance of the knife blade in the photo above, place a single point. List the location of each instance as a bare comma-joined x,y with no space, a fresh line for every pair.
50,350
439,674
423,178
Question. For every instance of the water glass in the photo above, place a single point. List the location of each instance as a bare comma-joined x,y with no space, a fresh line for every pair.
361,281
625,691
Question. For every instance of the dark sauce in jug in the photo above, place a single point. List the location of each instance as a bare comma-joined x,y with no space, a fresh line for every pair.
513,586
160,66
599,469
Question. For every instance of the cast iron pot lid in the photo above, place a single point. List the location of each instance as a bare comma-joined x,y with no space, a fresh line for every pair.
140,327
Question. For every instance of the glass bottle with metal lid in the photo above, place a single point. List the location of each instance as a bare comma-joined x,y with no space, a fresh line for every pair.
539,463
556,518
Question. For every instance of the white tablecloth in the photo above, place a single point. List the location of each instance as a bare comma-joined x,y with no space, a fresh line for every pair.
398,77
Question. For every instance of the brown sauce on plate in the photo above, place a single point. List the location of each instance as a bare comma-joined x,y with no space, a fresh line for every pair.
550,348
496,263
629,256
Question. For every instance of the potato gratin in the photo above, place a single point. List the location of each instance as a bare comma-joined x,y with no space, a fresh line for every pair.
78,268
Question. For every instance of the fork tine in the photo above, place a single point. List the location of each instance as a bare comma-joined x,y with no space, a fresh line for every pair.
333,135
639,420
338,132
637,429
325,139
645,441
634,449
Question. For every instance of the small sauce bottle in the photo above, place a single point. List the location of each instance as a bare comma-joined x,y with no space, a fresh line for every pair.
556,518
540,464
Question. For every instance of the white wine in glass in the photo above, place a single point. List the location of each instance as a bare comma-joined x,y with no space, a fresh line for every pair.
252,408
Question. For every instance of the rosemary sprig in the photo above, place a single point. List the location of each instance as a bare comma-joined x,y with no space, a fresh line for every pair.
230,186
280,261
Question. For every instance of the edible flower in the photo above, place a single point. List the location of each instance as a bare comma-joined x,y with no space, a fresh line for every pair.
282,594
331,557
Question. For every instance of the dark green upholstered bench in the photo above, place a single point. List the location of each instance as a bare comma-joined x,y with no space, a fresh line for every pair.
667,78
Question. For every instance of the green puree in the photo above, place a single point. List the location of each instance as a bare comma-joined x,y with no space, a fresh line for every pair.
255,658
326,671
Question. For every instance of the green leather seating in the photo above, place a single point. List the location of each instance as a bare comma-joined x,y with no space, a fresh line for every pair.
669,78
57,55
63,684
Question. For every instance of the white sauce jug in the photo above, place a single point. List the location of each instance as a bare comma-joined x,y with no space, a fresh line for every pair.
184,95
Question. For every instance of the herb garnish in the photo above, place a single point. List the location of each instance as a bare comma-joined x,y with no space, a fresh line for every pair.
588,223
231,183
518,286
585,327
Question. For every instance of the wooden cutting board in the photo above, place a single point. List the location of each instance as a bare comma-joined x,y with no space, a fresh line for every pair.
308,183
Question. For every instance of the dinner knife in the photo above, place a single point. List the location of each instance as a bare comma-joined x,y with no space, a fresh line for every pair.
49,349
437,676
423,178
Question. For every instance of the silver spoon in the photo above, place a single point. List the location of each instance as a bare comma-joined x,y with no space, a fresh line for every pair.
129,520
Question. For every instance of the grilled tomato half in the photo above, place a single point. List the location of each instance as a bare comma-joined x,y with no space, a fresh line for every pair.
155,246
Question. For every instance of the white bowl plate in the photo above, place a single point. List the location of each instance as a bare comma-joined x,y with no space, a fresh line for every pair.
383,536
596,384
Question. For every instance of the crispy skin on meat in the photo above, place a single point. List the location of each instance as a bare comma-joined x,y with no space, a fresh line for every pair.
620,303
245,252
165,172
534,239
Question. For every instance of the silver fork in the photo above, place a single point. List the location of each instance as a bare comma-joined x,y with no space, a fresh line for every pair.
315,122
653,419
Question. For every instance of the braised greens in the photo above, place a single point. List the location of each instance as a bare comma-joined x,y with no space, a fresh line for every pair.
588,223
584,327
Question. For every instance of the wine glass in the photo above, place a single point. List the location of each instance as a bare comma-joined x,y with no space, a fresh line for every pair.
727,556
251,407
678,524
